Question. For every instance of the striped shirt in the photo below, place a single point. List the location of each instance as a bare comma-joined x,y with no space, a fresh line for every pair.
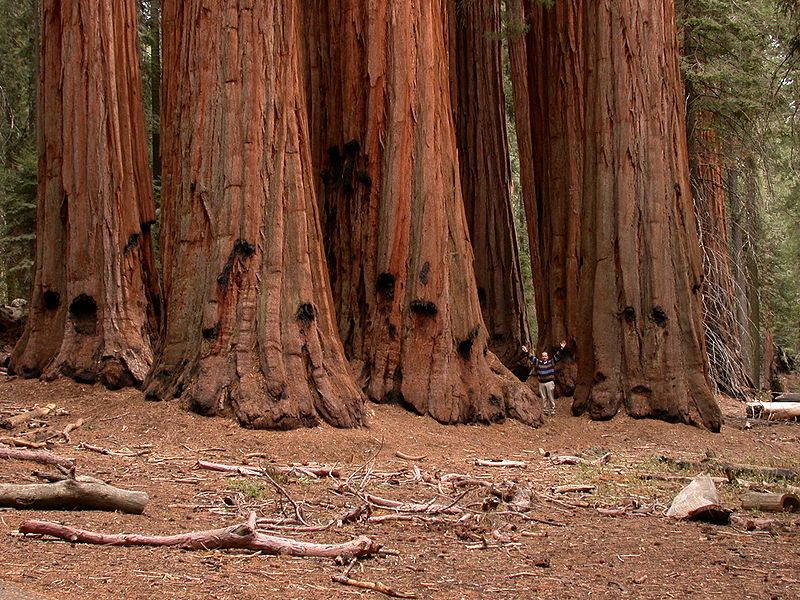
545,369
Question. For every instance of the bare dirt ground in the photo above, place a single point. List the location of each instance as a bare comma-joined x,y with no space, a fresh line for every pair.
560,546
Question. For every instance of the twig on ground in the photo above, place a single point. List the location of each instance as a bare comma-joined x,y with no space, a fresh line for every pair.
370,585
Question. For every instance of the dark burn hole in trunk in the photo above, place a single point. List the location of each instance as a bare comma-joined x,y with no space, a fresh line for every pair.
464,347
659,317
599,377
133,241
424,308
306,313
242,249
211,333
364,179
482,297
423,274
351,148
51,299
83,314
642,390
385,286
629,314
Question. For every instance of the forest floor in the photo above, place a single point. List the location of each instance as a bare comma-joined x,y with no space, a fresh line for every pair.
611,542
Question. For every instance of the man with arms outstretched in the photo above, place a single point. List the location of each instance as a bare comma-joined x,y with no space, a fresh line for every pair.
545,369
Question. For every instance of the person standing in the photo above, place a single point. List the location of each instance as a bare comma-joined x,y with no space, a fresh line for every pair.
545,368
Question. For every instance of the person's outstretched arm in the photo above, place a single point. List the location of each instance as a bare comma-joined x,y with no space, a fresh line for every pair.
557,355
531,357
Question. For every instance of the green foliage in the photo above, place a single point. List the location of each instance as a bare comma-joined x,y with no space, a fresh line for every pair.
253,489
18,47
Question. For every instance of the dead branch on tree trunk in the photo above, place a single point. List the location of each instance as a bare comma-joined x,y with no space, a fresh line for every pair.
72,494
37,456
241,536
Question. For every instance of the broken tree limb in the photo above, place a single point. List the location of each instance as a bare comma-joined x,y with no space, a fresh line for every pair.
72,494
251,471
501,463
107,452
370,585
771,502
38,456
566,460
412,507
242,536
12,422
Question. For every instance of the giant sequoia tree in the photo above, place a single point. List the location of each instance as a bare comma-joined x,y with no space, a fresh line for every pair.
94,305
614,209
640,277
479,108
249,320
400,253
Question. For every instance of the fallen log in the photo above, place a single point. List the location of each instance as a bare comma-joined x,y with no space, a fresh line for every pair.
411,457
37,456
413,507
11,422
788,397
241,537
72,494
771,502
566,460
731,468
773,410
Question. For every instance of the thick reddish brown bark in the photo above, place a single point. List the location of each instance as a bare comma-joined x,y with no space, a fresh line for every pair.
95,301
401,256
250,321
640,280
479,110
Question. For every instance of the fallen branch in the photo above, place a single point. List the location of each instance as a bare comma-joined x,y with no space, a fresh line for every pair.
107,452
12,422
71,427
250,471
37,456
413,507
566,460
370,585
21,442
501,463
241,536
72,494
566,489
411,457
732,468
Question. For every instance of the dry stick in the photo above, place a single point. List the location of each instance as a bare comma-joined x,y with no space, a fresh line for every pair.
370,585
11,422
771,502
37,456
411,457
71,427
566,489
297,511
15,441
246,470
566,460
106,451
501,463
241,536
72,494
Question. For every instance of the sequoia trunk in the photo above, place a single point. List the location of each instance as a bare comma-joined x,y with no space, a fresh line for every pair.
640,277
250,320
95,302
396,227
723,341
479,109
